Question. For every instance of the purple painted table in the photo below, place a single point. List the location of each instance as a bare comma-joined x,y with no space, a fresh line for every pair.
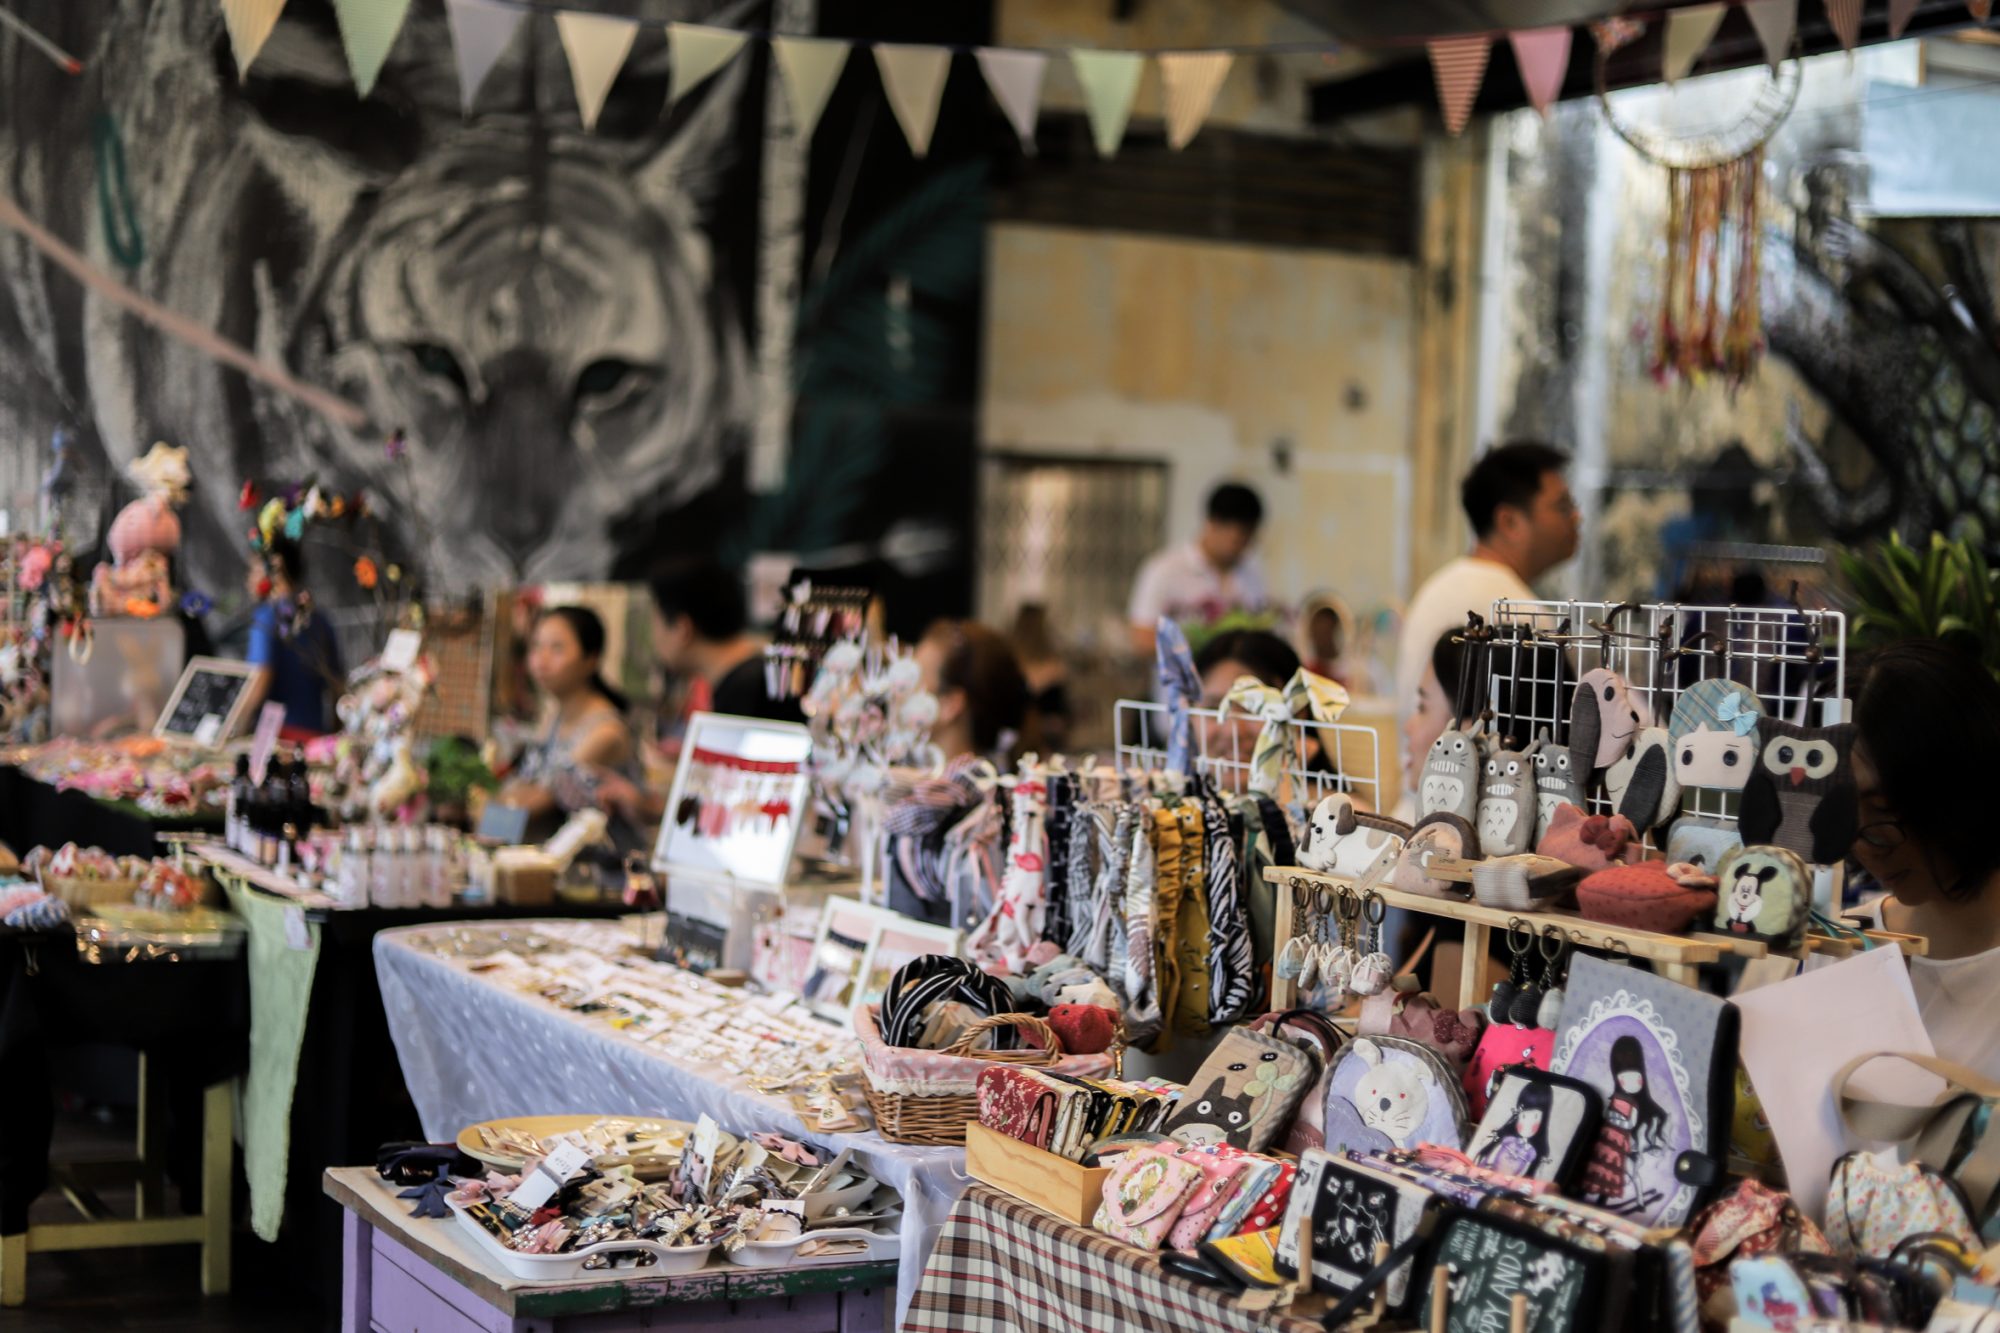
417,1275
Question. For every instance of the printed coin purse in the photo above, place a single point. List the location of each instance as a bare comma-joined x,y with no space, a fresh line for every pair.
1245,1093
1144,1196
1390,1093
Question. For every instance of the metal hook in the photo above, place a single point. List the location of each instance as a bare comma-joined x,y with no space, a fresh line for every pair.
1552,935
1518,926
1373,908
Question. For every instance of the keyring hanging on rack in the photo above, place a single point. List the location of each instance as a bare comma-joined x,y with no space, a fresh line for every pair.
1292,957
1521,943
1557,949
1375,969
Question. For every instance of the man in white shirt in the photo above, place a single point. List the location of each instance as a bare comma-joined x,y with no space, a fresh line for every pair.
1201,581
1524,524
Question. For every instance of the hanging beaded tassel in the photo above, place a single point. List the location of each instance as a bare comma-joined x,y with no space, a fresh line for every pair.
1710,314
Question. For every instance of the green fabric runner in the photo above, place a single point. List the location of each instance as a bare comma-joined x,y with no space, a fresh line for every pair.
281,978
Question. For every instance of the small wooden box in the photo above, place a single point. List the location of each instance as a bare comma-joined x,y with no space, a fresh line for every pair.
524,877
1053,1184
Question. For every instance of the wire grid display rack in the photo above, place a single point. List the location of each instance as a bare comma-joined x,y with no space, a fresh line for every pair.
1320,757
1795,660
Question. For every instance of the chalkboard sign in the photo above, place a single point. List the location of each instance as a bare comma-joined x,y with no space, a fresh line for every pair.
208,704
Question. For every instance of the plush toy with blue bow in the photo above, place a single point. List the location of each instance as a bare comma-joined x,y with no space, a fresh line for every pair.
1714,732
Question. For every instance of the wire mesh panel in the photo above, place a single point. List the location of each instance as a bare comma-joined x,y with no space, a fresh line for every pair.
1794,660
1320,758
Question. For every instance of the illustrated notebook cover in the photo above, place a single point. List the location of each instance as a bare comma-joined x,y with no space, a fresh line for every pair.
1663,1058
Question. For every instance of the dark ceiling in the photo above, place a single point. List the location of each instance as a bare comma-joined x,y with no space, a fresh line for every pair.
1404,77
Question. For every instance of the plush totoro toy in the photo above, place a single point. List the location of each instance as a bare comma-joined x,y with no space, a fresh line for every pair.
1452,775
1556,782
1507,803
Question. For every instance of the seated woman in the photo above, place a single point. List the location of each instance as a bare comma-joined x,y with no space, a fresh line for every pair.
584,726
1923,834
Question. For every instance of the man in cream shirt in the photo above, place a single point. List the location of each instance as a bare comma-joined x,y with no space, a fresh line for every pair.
1524,523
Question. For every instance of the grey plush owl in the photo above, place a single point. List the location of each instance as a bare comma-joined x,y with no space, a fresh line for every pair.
1451,777
1556,782
1507,803
1641,784
1801,796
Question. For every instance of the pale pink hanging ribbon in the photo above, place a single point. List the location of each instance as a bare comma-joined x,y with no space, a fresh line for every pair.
334,408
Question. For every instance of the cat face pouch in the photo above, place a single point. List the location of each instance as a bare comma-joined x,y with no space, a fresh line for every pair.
1389,1093
1504,1047
1662,1056
1350,1210
1144,1195
1765,894
1538,1125
1714,735
1245,1093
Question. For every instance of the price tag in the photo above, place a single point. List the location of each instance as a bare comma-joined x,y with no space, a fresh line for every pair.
400,653
270,721
210,729
549,1174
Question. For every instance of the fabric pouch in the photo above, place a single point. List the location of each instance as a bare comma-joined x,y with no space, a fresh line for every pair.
1702,842
1267,1210
1751,1219
1588,842
1538,1125
1766,895
1442,836
1350,1209
1020,1103
1487,1261
1642,897
1245,1092
1524,883
1144,1195
1313,1030
1417,1016
1873,1206
1222,1168
1389,1093
1504,1048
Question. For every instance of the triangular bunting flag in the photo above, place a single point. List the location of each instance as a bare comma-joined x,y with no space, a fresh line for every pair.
1542,56
811,66
1016,80
1189,81
1845,16
480,31
249,23
1110,81
368,29
1460,66
695,52
913,77
1616,34
1775,22
1980,9
1689,31
1900,14
596,45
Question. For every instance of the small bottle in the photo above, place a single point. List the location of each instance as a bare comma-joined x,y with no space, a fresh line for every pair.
288,837
437,867
382,870
239,801
353,877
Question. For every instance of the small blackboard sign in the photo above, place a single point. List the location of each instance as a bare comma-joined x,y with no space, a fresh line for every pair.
208,704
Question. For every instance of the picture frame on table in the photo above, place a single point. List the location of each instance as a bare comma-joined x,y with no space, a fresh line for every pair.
208,702
899,940
739,798
847,931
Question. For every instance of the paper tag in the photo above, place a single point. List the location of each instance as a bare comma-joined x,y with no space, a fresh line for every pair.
270,721
210,729
549,1174
400,652
297,936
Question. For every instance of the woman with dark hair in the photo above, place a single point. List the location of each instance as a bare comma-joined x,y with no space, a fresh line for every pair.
1523,1145
584,728
1243,652
983,707
1634,1125
1927,715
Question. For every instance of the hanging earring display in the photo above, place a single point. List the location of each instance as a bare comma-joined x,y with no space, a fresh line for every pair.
1521,942
1375,969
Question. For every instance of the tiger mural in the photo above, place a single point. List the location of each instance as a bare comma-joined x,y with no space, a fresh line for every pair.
558,321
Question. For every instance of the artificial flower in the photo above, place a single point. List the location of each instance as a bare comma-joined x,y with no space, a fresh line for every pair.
246,499
34,569
364,572
197,604
336,507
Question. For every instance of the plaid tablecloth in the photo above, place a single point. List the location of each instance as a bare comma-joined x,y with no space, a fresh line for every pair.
1002,1266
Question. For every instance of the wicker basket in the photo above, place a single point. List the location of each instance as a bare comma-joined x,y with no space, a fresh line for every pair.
81,893
940,1118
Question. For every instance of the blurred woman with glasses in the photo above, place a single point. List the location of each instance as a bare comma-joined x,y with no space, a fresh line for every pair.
1929,720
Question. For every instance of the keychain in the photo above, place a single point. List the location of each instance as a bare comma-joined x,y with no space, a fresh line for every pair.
1374,969
1555,976
1291,960
1521,941
1336,967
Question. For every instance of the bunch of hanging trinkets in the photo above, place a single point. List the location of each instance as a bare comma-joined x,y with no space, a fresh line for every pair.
1335,952
1522,999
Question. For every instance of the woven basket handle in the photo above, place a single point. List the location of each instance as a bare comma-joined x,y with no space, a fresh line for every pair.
1052,1047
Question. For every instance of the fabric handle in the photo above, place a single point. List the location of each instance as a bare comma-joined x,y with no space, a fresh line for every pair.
1934,1131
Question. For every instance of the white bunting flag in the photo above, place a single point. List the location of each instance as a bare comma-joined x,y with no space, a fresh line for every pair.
249,23
1110,81
811,66
913,77
368,29
1689,31
1845,16
596,45
1459,63
695,52
1189,81
1775,22
1542,56
1015,78
480,31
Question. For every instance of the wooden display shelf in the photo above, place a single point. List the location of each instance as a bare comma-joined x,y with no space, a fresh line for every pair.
225,862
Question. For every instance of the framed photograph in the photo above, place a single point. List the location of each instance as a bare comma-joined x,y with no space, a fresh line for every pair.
847,931
208,703
738,799
900,940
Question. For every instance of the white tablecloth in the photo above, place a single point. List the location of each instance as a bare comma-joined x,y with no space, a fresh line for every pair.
472,1051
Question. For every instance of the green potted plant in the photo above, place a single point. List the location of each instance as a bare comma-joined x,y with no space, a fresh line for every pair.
456,771
1943,589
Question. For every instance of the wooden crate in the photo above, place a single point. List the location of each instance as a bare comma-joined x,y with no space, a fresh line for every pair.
1053,1184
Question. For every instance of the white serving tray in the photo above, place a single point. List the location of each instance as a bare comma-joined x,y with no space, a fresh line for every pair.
785,1253
673,1260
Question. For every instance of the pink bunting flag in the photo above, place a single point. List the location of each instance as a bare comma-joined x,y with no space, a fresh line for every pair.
1980,9
1542,56
1900,14
1845,16
1460,66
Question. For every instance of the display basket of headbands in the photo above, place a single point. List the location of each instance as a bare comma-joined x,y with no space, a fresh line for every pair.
926,1097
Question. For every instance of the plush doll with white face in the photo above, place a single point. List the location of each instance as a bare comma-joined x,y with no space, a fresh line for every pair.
1452,776
1507,803
1641,784
1603,719
1714,731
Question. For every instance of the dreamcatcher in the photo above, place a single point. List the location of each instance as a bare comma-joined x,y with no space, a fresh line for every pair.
1710,319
